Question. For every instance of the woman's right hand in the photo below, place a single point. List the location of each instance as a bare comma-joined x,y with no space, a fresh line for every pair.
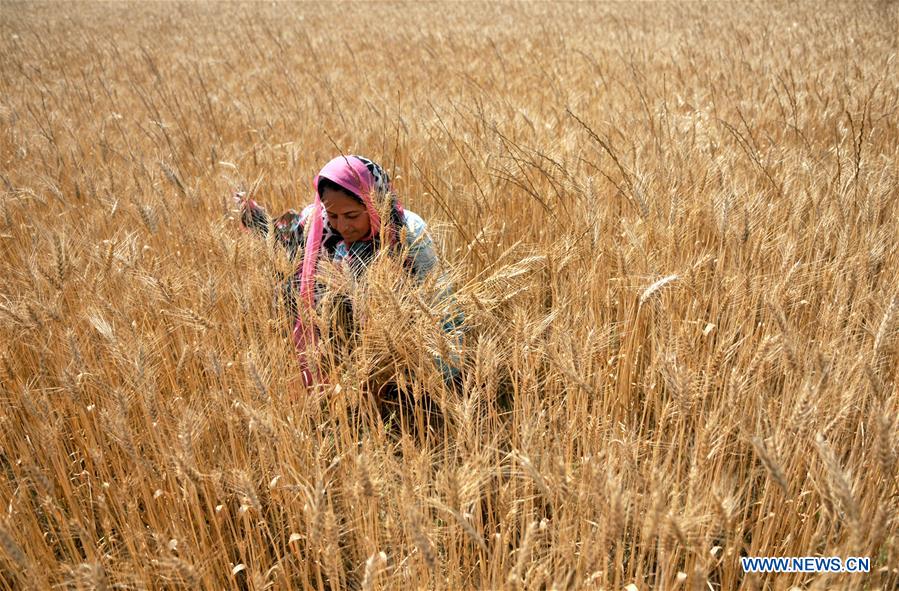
240,200
251,215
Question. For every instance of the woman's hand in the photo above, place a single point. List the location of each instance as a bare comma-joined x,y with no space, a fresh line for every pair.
240,200
251,214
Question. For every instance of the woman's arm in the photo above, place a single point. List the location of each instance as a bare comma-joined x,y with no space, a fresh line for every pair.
288,226
420,245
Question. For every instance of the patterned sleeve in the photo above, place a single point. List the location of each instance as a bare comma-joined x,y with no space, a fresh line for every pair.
289,231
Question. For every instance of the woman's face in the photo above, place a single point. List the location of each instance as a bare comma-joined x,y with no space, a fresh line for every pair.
346,215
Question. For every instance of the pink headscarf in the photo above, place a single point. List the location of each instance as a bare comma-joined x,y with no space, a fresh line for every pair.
360,176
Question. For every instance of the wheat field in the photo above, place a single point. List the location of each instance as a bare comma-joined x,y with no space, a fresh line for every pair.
672,229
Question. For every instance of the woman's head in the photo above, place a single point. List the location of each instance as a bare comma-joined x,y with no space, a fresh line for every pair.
353,178
346,211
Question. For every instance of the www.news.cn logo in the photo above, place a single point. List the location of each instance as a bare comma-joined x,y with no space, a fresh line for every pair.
805,564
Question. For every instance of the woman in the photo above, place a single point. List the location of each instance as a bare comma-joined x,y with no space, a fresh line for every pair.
344,225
